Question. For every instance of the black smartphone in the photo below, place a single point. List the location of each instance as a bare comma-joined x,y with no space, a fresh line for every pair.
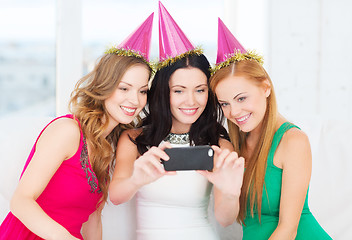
189,158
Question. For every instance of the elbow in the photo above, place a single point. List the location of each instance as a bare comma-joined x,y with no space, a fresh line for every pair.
115,197
225,221
14,205
114,200
290,230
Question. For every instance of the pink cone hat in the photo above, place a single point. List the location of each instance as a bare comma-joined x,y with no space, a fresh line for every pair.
172,40
140,40
227,43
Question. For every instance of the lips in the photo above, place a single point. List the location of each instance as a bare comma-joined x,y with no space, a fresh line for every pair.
243,119
128,110
189,111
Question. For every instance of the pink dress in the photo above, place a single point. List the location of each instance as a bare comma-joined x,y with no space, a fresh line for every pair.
70,197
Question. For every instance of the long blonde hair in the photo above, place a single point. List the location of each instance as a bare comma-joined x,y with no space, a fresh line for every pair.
87,105
253,181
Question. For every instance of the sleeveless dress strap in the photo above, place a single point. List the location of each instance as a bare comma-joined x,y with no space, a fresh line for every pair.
276,140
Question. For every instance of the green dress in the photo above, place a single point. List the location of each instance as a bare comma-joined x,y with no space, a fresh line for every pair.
308,227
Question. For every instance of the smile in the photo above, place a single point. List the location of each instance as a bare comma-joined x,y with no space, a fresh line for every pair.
243,119
128,111
189,111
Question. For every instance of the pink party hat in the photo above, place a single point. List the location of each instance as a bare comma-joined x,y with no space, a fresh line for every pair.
138,42
230,50
173,42
227,43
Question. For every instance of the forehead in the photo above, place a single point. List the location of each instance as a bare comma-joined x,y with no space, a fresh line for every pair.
188,77
136,75
232,85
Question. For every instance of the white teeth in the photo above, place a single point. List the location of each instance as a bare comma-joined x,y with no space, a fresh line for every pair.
128,109
189,111
243,118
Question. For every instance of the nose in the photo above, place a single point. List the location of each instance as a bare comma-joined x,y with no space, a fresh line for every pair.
133,98
191,99
235,110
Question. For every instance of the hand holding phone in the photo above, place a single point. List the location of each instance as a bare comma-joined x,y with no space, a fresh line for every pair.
189,158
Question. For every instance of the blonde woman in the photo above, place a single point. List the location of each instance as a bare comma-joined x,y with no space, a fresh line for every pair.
65,180
274,194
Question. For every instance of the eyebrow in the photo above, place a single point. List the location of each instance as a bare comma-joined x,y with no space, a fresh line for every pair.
233,97
238,95
132,85
195,87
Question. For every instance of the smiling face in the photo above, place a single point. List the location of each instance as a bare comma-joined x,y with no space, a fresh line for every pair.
130,96
243,101
188,97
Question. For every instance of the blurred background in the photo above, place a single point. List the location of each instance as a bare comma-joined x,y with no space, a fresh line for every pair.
46,46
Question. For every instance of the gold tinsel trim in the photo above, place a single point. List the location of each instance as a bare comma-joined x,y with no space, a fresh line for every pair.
197,51
128,53
236,57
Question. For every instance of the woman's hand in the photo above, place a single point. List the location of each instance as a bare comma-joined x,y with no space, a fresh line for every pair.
227,175
148,168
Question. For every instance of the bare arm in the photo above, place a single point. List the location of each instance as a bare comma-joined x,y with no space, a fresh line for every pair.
59,141
227,178
294,150
93,229
132,171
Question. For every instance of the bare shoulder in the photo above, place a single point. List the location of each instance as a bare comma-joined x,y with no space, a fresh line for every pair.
130,135
224,143
65,126
295,138
62,129
295,149
62,135
126,146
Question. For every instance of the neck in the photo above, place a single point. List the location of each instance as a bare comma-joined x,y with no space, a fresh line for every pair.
178,129
112,124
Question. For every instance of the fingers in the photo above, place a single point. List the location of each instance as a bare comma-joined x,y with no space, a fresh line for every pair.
225,158
204,173
239,162
216,149
158,152
165,145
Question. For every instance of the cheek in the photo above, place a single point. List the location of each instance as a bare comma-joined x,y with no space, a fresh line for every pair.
175,100
226,112
143,100
203,99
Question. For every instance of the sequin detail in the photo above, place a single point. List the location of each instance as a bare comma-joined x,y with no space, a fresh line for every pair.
90,175
175,138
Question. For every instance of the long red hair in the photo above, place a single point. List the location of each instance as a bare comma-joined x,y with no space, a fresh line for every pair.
253,182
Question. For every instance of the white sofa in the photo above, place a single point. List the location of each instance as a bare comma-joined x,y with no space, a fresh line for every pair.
329,196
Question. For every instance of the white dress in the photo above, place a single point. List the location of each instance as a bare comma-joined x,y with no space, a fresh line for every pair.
175,208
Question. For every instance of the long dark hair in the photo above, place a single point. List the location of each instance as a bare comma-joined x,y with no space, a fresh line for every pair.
158,121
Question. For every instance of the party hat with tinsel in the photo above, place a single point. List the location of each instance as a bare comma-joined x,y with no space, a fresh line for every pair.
137,44
173,43
230,49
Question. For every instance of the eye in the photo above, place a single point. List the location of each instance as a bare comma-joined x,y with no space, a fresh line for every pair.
201,90
144,92
224,104
241,99
123,88
177,91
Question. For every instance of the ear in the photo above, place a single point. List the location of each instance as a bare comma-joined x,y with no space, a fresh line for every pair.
267,88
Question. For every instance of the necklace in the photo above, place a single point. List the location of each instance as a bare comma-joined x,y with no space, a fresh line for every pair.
176,138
